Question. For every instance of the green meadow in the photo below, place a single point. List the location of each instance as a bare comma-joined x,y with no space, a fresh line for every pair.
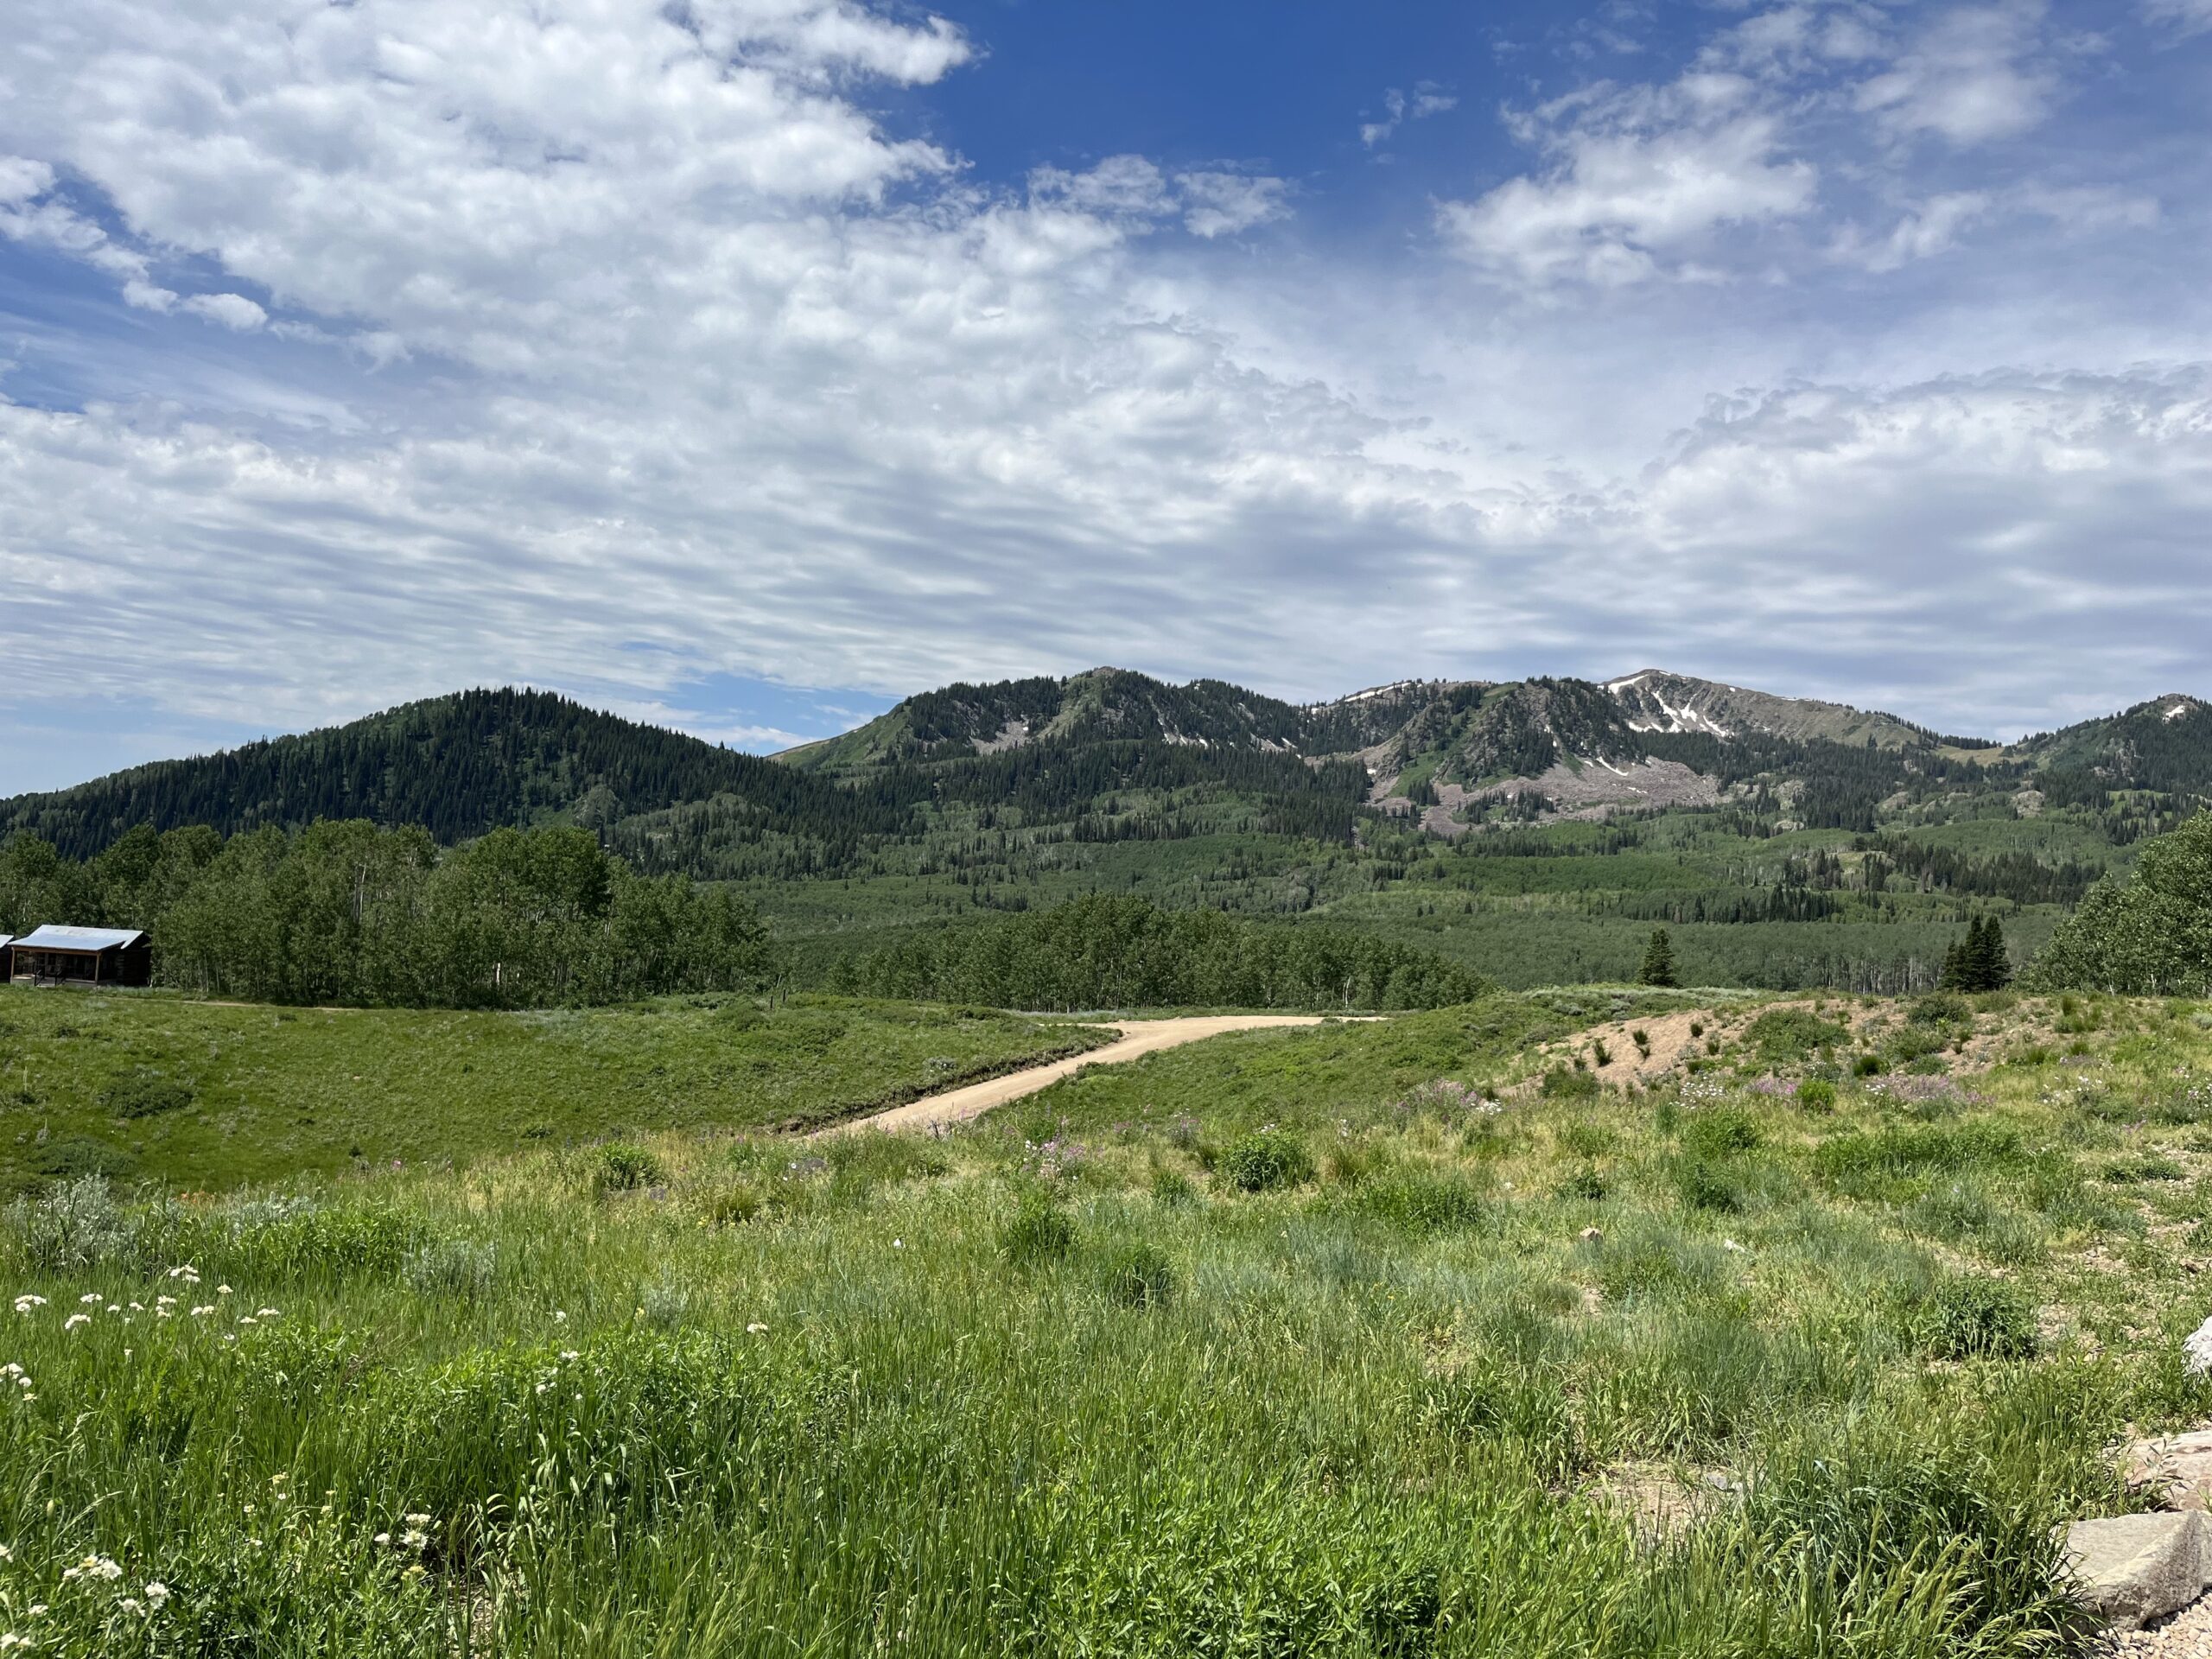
201,1094
1418,1337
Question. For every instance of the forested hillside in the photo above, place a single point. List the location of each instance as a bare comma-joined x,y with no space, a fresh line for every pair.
456,767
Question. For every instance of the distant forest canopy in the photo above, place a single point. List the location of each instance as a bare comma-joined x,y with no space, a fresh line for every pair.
1102,952
348,912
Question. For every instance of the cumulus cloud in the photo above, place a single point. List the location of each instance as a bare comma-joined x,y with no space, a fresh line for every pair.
1638,183
617,344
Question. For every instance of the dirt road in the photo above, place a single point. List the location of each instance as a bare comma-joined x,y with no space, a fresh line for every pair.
1139,1037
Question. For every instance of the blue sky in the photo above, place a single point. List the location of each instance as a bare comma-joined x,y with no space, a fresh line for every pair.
745,365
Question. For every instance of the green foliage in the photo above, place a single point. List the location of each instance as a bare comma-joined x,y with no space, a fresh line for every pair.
2150,934
1719,1131
1266,1159
1423,1200
1970,1316
1039,1234
1816,1094
1658,964
346,912
1570,1083
147,1093
622,1167
1785,1037
1101,952
1139,1275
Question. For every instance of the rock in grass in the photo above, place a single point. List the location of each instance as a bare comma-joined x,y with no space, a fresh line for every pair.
2136,1568
2197,1352
2179,1467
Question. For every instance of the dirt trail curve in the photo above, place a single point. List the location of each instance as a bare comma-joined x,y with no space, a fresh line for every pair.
1139,1037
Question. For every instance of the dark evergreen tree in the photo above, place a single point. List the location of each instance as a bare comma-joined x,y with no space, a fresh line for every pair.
1954,967
1658,967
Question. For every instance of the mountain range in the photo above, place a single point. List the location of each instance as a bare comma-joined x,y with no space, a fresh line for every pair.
1535,830
1454,755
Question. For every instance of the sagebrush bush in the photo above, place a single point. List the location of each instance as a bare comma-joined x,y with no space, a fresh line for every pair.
1266,1159
1717,1131
462,1267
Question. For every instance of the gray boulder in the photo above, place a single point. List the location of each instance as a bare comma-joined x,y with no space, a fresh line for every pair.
2133,1568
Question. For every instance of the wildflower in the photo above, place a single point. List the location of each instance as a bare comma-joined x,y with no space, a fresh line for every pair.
24,1304
130,1604
266,1313
76,1319
898,1244
156,1592
94,1566
570,1354
381,1539
755,1329
1732,1246
414,1538
559,1318
222,1290
245,1318
136,1307
418,1520
88,1299
6,1553
10,1641
202,1312
162,1301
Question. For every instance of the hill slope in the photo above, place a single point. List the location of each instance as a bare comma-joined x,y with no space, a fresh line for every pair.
458,765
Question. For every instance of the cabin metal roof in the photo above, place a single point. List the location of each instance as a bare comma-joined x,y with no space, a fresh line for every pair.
50,937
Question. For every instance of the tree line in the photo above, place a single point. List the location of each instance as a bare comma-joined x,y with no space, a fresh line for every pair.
1108,952
2146,935
345,911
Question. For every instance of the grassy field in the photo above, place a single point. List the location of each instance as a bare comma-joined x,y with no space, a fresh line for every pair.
204,1095
1385,1340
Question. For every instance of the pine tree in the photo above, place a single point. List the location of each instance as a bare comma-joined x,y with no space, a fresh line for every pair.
1658,962
1954,964
1993,966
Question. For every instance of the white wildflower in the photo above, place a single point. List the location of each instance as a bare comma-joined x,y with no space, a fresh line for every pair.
560,1318
89,1298
418,1520
76,1319
266,1313
130,1605
156,1592
755,1329
381,1539
25,1303
202,1312
222,1290
414,1538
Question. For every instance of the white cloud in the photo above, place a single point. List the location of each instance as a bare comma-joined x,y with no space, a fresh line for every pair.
1930,228
1426,99
231,310
2184,16
1221,204
1974,74
640,352
1638,184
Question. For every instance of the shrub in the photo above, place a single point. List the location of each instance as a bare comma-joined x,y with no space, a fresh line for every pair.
1941,1008
1585,1183
460,1269
77,1223
1970,1317
623,1166
1816,1094
1585,1139
1266,1159
1039,1234
1703,1186
1563,1084
1719,1131
1424,1201
1172,1187
1866,1066
147,1093
72,1157
1784,1036
1140,1275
